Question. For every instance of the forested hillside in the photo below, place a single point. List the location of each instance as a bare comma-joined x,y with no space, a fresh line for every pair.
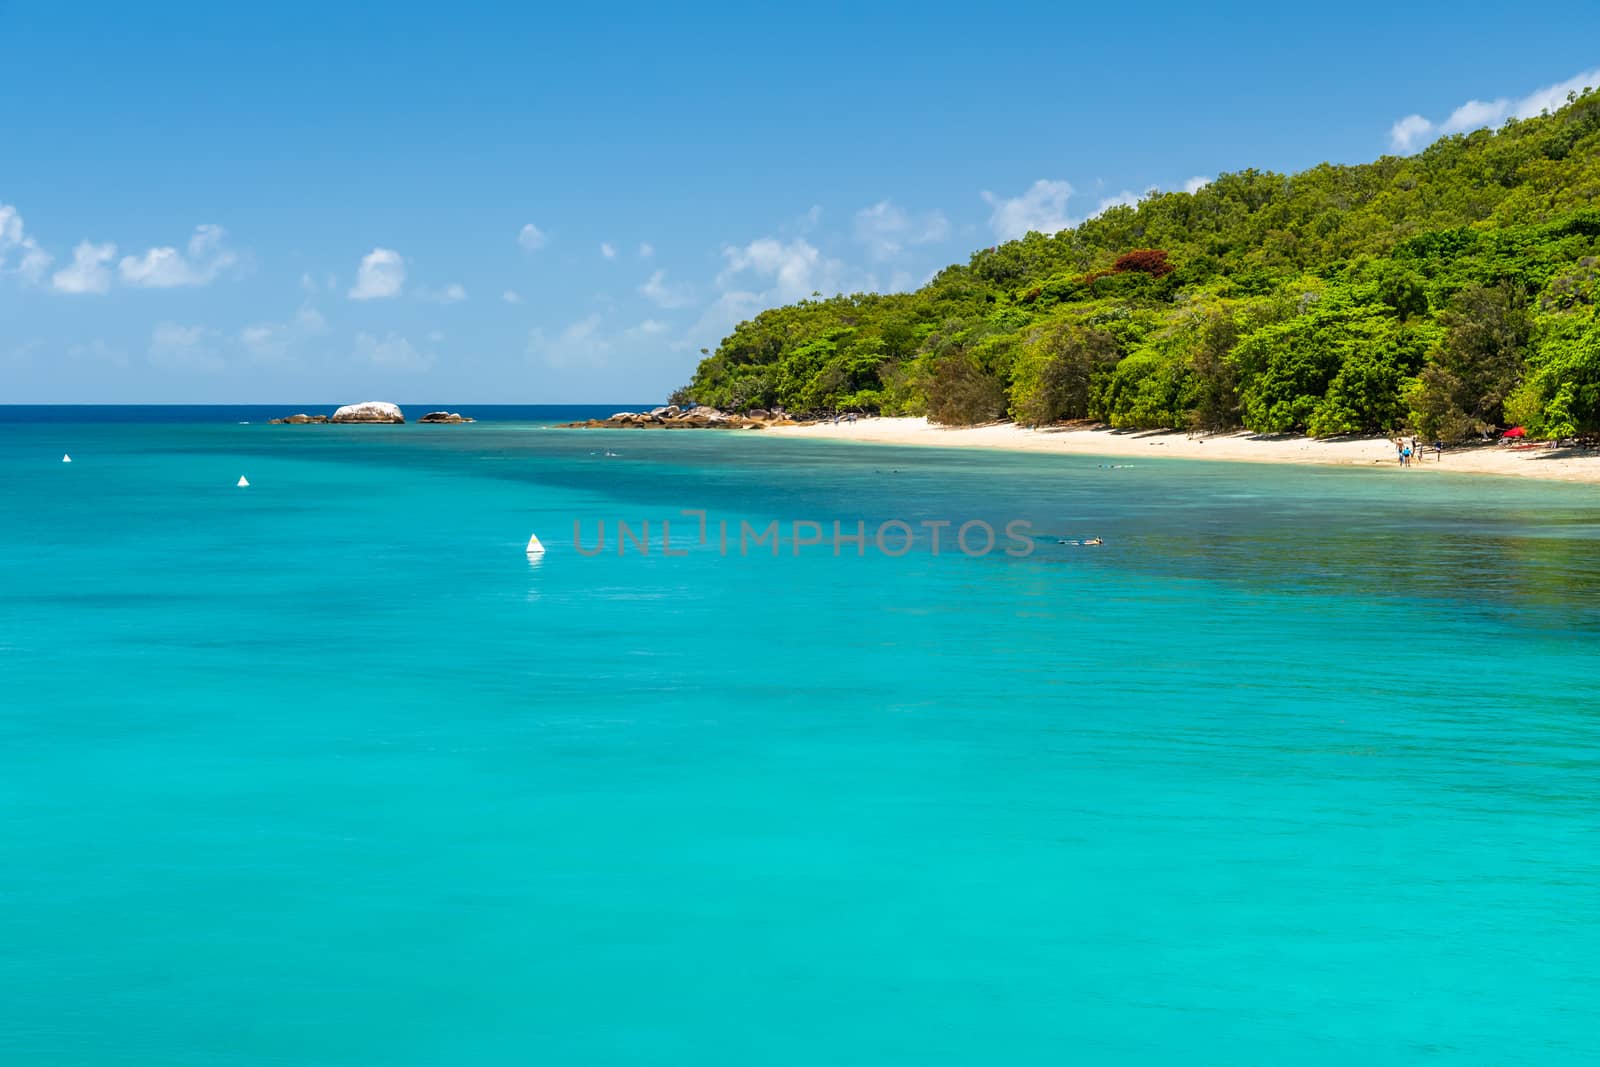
1446,292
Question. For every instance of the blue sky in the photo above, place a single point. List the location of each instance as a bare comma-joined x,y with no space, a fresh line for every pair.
321,203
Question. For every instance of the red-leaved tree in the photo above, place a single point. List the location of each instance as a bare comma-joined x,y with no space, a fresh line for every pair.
1151,261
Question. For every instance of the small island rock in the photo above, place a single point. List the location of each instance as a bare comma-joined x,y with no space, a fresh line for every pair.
445,416
674,417
368,411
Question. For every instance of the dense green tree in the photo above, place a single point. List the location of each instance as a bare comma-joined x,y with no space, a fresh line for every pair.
1562,395
1480,362
1152,389
1402,290
1061,366
964,370
1447,291
962,392
1216,381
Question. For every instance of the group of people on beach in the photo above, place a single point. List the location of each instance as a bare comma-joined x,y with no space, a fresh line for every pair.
1409,448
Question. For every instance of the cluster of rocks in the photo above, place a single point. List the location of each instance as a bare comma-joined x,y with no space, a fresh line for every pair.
699,417
369,411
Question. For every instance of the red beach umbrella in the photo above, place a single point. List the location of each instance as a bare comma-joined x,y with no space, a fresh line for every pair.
1515,431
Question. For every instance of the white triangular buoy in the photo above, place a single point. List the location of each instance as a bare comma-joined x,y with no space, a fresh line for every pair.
535,548
66,458
244,483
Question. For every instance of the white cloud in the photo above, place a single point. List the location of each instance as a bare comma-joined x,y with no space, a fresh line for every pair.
205,257
382,274
1554,97
453,293
511,296
35,261
32,261
1409,132
580,344
88,272
1475,113
258,338
725,312
659,292
795,268
1197,183
178,347
1126,198
278,340
767,272
646,249
10,227
531,238
1415,131
607,250
886,230
1042,209
589,342
391,351
647,328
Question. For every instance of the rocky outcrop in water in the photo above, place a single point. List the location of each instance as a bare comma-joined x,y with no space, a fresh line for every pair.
673,417
368,411
371,411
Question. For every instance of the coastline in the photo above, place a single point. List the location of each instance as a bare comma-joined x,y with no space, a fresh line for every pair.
1567,465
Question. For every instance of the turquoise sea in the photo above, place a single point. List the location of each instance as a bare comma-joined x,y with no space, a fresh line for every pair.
1301,766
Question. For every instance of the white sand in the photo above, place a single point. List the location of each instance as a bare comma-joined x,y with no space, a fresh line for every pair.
1504,459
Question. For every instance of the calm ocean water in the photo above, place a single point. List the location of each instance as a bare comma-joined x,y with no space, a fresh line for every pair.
1301,766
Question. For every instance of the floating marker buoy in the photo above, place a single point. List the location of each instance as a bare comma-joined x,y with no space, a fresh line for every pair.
535,548
66,458
244,483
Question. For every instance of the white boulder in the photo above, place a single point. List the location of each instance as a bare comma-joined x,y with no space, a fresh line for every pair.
368,411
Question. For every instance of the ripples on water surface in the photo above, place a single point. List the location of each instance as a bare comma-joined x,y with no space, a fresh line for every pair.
1299,767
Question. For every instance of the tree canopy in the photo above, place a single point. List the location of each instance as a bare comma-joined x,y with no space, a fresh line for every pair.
1446,292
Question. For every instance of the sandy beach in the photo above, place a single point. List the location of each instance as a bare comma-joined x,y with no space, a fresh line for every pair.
1527,461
